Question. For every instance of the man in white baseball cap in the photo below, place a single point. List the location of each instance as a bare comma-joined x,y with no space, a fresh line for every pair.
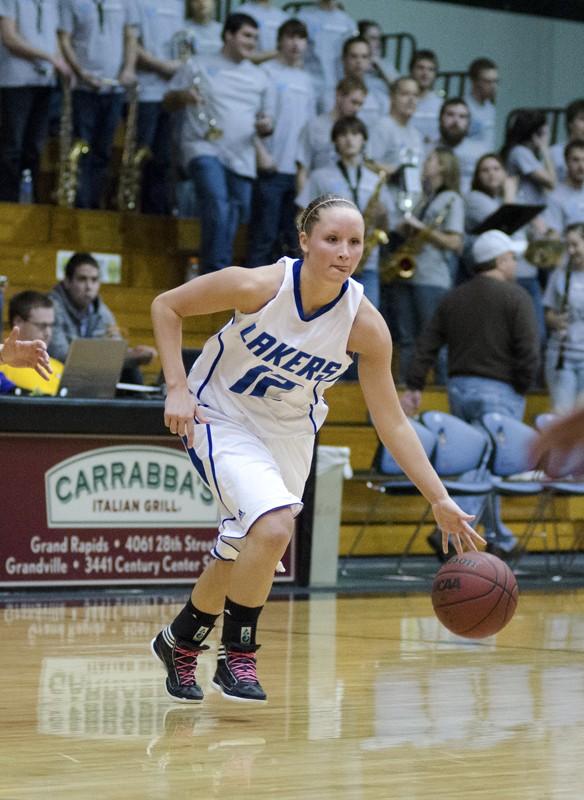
491,245
490,329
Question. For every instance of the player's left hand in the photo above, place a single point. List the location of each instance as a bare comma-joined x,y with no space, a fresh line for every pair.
454,522
31,354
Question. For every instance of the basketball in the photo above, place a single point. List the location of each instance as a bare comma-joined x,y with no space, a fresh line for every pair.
474,595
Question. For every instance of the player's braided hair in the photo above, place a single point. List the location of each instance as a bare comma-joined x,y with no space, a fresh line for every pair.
308,218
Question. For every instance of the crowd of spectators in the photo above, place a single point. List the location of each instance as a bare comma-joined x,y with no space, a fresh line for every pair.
246,121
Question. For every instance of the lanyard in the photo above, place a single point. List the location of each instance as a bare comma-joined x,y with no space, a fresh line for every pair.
99,4
354,188
39,15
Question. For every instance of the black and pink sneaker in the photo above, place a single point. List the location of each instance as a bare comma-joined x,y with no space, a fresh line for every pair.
235,676
180,660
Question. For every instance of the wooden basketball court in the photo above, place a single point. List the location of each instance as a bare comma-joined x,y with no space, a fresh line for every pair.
369,697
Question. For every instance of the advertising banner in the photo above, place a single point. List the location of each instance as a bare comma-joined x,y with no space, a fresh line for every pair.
79,510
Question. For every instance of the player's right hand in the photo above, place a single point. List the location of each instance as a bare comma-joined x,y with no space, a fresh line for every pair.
180,410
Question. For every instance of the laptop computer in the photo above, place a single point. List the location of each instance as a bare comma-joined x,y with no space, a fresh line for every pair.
93,368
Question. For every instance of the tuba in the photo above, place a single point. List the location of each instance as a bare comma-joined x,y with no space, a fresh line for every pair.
372,214
70,152
402,262
133,158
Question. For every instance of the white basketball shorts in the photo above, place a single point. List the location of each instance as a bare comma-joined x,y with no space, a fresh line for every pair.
248,476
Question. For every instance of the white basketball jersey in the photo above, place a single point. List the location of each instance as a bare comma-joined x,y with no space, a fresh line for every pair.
268,370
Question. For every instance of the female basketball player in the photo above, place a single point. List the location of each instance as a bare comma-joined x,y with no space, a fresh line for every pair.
18,353
248,413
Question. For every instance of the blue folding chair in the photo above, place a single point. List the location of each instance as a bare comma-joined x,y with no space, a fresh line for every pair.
387,478
569,487
514,473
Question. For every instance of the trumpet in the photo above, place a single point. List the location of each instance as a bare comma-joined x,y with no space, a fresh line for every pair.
546,253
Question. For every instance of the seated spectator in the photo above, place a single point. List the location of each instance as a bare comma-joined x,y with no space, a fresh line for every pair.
526,154
566,202
356,63
24,360
273,227
423,69
328,28
315,147
352,179
269,19
491,188
81,313
575,130
204,32
454,125
394,140
480,99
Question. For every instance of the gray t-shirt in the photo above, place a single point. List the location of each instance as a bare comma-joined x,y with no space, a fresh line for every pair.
98,39
389,141
315,147
426,117
234,93
523,162
467,153
558,160
159,24
295,104
565,207
269,19
364,182
483,120
37,23
433,263
553,298
206,39
327,32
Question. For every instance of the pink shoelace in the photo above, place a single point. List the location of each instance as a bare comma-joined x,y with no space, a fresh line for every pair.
243,666
185,662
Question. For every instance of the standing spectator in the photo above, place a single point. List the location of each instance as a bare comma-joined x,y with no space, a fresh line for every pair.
269,19
81,313
328,28
100,44
202,29
382,72
423,69
316,148
575,129
350,178
419,296
29,59
454,123
356,61
526,154
159,25
480,99
488,326
491,188
275,191
232,103
394,138
564,314
34,316
566,202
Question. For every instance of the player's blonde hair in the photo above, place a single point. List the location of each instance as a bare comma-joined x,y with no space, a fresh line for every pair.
308,218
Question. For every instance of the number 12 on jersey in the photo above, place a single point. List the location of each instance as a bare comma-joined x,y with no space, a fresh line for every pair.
252,384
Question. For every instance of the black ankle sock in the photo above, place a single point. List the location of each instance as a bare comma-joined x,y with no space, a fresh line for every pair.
240,624
192,624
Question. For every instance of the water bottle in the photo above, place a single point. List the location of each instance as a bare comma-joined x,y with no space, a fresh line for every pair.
25,193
